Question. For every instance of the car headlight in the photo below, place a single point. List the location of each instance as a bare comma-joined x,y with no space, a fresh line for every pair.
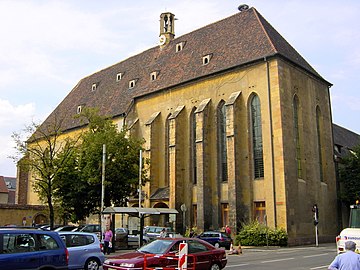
127,265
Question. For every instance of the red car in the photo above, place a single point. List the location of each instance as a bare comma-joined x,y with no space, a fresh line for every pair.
163,253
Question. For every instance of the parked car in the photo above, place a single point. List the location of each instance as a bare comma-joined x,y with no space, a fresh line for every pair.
217,239
153,232
66,228
32,249
125,240
92,228
84,250
205,255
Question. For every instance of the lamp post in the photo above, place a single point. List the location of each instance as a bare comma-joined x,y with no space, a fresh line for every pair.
140,214
102,189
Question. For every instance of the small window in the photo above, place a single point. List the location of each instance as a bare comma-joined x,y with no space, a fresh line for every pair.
79,109
179,46
119,76
132,84
153,76
94,86
47,242
206,59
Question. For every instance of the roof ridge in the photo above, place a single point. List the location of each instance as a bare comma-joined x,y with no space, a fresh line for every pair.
257,15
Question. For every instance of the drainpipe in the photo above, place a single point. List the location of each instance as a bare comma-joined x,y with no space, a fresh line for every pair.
272,140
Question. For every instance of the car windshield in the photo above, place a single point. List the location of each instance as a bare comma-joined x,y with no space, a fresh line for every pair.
156,247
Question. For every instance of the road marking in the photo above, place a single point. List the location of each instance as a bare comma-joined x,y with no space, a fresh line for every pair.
279,260
320,267
285,252
237,265
316,255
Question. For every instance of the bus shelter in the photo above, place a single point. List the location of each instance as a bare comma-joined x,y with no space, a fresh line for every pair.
139,212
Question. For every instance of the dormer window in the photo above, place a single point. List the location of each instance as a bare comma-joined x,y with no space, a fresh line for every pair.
132,84
79,109
119,76
94,86
153,75
180,46
206,59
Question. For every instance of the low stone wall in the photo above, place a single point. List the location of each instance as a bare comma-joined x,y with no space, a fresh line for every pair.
22,215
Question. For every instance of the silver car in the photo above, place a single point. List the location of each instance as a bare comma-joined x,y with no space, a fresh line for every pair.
84,250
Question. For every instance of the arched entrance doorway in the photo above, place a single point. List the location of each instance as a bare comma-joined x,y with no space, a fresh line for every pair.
40,219
160,220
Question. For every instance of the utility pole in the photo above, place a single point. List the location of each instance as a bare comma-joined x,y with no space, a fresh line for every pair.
141,218
102,189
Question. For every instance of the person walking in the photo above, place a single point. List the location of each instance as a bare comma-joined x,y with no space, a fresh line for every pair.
348,260
227,230
108,235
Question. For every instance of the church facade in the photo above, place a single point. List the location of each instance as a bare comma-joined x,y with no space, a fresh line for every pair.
237,126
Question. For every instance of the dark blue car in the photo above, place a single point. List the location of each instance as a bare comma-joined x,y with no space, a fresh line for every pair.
217,239
23,249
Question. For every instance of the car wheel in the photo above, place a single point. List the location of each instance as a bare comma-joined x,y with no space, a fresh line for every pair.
92,264
215,266
217,245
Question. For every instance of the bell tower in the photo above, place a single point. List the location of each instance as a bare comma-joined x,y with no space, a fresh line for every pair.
167,32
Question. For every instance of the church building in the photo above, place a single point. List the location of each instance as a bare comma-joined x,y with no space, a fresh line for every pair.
237,126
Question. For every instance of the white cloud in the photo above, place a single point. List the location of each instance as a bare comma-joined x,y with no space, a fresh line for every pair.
12,119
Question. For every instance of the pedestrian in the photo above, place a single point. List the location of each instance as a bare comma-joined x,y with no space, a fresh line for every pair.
108,235
192,233
235,250
348,260
163,233
227,230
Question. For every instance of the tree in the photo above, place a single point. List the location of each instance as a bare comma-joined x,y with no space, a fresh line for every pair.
80,189
44,156
350,177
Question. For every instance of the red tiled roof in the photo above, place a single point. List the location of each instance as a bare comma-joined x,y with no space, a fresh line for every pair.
240,39
3,188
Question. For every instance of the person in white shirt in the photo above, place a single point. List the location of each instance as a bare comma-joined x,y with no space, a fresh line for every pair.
348,260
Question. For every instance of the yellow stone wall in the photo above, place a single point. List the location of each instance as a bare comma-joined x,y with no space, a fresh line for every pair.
288,199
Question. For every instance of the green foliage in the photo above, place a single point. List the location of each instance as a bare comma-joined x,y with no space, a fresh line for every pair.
349,174
81,185
45,156
256,234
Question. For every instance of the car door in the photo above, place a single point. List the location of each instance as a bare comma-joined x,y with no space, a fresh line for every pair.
50,251
78,246
201,253
18,251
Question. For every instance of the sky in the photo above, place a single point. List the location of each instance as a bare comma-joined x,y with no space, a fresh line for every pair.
46,47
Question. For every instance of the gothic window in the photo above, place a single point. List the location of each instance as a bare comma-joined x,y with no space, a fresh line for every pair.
257,143
224,214
297,136
194,215
222,150
318,132
193,146
167,147
260,212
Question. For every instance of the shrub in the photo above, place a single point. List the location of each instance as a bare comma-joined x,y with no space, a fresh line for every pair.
256,234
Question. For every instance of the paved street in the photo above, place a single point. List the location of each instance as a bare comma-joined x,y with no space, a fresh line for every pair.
304,257
299,258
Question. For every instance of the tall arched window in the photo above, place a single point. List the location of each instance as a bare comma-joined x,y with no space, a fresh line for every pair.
257,142
193,146
167,146
318,130
297,136
222,151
